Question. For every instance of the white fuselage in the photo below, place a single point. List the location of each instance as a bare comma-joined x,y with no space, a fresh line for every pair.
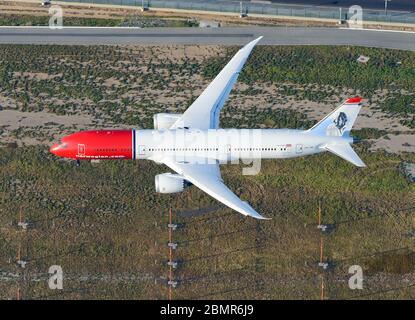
229,144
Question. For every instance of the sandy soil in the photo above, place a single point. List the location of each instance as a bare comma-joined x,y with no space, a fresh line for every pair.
174,96
15,119
114,12
396,143
32,7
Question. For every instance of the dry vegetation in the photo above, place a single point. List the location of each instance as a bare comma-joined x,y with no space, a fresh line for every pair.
31,13
78,87
106,227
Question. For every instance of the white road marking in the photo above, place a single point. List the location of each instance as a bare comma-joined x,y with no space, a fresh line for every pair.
379,30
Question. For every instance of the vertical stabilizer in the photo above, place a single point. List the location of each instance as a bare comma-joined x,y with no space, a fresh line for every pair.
340,121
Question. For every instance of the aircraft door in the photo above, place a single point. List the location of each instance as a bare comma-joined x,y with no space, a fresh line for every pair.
81,150
299,148
228,149
141,150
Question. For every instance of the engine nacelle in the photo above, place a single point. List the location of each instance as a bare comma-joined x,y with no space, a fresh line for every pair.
165,120
170,183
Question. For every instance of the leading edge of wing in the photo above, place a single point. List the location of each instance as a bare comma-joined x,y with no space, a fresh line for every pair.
204,111
201,176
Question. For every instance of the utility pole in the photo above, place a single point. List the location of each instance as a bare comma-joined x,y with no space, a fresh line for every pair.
386,6
320,226
145,7
172,264
242,13
170,256
323,228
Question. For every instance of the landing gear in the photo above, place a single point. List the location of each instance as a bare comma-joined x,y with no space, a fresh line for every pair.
78,163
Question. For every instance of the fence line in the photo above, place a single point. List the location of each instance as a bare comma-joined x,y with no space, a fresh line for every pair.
263,8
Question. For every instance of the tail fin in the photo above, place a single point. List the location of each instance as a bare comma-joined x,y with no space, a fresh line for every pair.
340,121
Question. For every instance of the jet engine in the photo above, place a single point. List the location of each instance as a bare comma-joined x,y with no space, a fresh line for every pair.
170,183
165,120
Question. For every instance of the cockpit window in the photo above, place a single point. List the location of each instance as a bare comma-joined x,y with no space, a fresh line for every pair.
61,145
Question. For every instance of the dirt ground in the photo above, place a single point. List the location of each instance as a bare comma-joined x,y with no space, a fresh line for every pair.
12,120
32,7
41,127
114,12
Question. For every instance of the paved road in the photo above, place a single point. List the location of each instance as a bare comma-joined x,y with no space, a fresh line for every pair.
234,35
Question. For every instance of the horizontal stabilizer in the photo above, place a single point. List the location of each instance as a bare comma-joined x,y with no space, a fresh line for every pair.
346,152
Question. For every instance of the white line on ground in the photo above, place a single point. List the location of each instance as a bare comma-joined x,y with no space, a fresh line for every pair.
378,30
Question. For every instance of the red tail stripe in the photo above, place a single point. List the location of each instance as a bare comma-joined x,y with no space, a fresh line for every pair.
354,100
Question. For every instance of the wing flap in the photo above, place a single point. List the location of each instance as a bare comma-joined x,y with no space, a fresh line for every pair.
206,178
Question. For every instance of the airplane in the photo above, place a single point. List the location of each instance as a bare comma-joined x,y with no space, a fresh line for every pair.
193,145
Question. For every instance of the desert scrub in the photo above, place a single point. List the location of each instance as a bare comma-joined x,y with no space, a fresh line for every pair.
399,103
369,133
325,65
105,225
26,20
142,22
270,118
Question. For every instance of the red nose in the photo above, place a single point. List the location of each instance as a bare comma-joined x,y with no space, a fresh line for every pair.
96,144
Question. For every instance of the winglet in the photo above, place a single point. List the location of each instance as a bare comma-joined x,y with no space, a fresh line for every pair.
259,217
252,44
256,215
249,211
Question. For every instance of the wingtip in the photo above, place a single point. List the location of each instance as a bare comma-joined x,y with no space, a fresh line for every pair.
361,164
258,216
355,100
254,42
262,218
257,39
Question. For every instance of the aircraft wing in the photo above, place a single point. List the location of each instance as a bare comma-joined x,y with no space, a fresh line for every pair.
204,111
206,176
